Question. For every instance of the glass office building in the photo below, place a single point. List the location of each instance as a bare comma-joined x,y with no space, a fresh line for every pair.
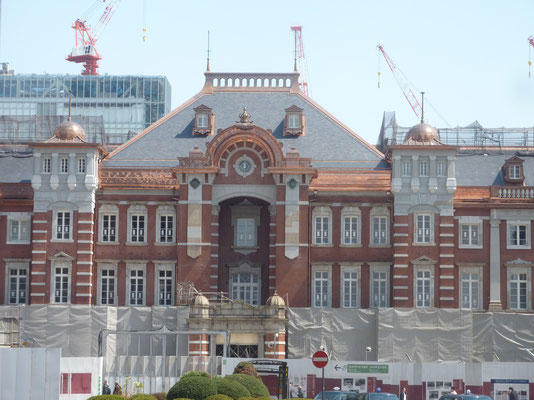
31,106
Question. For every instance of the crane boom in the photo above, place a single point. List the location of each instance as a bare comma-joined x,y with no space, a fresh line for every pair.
531,42
300,60
406,90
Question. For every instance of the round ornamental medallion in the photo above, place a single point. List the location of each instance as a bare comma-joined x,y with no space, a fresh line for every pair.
244,166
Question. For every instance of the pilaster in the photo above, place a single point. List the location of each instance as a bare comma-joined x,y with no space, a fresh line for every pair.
39,270
495,265
402,274
447,297
84,259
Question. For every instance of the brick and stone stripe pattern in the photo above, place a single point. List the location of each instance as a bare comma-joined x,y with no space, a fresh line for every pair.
272,253
84,259
38,271
275,345
447,271
402,274
214,249
199,345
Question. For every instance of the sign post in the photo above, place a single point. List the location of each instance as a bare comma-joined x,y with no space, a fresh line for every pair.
320,360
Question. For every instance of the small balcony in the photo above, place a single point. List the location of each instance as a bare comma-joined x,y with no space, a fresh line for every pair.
523,193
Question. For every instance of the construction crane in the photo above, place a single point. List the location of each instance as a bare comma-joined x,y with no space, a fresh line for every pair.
85,50
300,60
531,44
402,82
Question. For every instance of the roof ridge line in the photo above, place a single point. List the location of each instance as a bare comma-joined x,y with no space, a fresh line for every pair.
335,120
178,109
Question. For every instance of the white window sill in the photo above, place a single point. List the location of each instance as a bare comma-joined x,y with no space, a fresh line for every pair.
357,245
466,246
322,245
526,247
17,242
424,244
136,243
107,243
165,244
62,241
379,246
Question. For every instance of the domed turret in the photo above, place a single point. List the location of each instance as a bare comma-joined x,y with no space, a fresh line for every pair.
200,300
276,301
422,134
69,131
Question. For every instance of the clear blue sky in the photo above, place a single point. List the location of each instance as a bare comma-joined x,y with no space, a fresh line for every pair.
470,57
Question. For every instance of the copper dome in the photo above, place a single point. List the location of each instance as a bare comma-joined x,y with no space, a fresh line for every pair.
422,133
70,130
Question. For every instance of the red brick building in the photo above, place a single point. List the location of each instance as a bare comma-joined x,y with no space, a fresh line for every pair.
249,189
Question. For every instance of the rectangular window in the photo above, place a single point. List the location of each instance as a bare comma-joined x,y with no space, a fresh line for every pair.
379,289
406,168
17,290
137,234
294,120
321,230
442,168
47,163
245,286
136,287
320,288
517,235
164,289
108,286
109,228
423,168
350,289
423,228
518,291
515,171
350,230
379,234
64,165
61,285
63,222
245,232
423,289
81,166
470,234
18,231
470,291
202,121
166,228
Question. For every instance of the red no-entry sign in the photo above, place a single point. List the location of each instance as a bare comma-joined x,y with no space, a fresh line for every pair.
320,359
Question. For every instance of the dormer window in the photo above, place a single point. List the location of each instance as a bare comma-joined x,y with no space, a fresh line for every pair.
513,170
294,122
204,121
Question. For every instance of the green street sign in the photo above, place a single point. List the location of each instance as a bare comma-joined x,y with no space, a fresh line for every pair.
367,369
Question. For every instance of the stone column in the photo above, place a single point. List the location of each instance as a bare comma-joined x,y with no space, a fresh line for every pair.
396,182
432,181
54,178
451,174
415,174
495,266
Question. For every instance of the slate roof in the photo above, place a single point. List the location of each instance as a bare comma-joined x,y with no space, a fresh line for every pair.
326,141
16,164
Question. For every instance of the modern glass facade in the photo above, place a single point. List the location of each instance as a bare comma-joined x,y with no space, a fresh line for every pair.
127,104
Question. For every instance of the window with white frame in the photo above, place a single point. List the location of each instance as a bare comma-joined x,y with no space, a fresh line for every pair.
423,228
166,228
245,286
109,222
441,167
424,287
61,282
518,288
470,235
63,225
350,288
423,168
64,166
514,171
47,165
137,219
294,120
379,233
245,232
136,285
321,287
18,228
108,285
518,234
379,281
470,290
322,220
164,285
350,225
17,282
406,168
202,120
81,165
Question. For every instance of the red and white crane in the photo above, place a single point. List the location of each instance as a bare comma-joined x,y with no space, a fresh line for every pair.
300,60
531,44
85,50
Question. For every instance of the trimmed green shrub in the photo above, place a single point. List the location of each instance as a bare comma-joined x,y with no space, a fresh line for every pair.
142,396
258,398
247,368
189,374
254,385
193,387
107,397
231,388
219,397
160,396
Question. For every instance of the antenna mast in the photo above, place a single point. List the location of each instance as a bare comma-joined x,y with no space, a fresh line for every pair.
300,60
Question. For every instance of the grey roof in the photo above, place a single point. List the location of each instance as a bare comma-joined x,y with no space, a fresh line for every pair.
15,169
484,168
325,139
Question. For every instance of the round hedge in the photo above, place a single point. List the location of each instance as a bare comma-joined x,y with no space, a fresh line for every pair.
107,397
189,374
247,368
219,397
231,388
254,385
193,387
142,396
